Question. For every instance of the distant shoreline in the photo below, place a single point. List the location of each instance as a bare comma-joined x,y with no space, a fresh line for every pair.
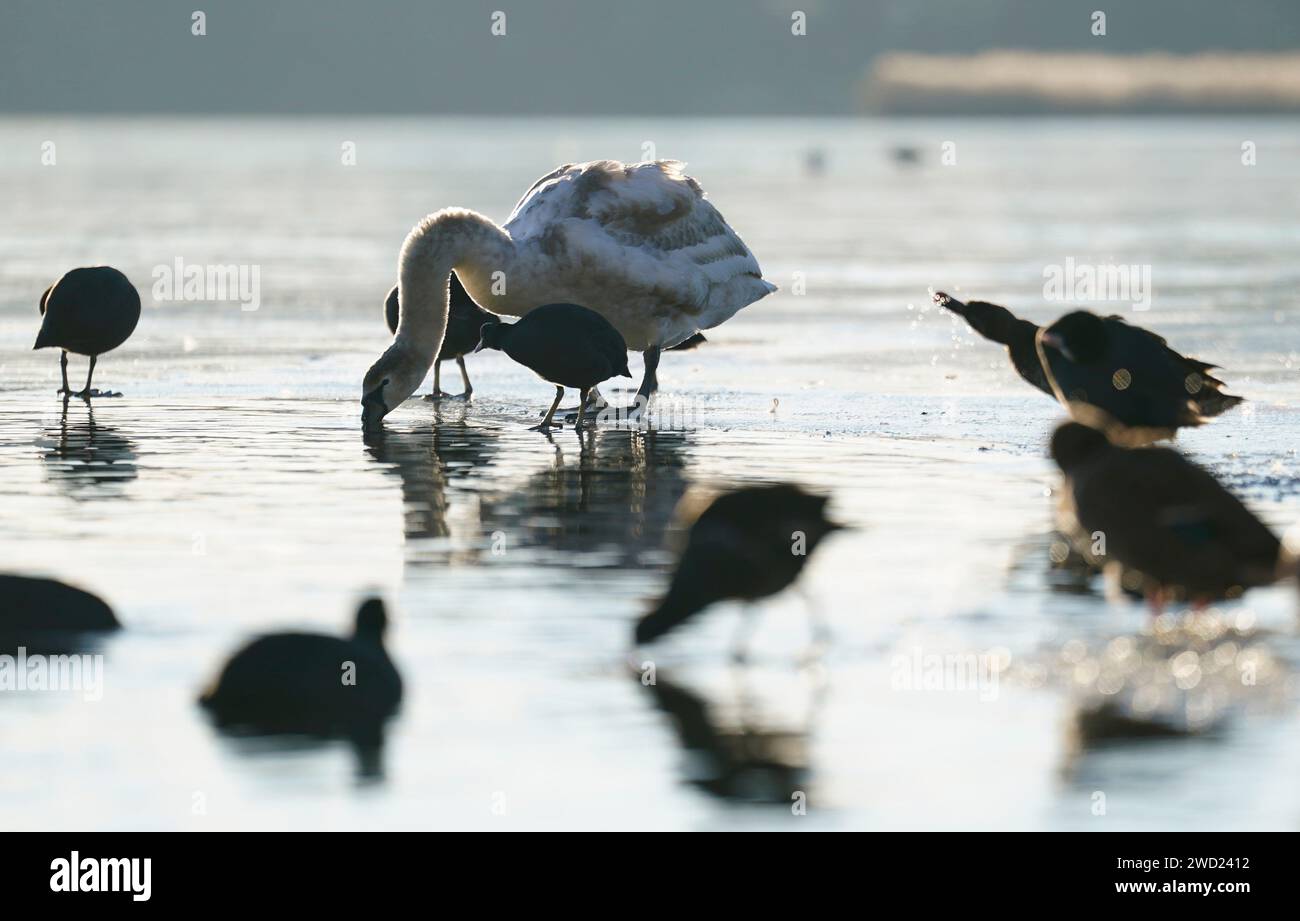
1071,83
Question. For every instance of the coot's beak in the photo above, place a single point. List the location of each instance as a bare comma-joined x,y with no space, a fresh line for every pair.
949,302
480,347
373,410
1055,341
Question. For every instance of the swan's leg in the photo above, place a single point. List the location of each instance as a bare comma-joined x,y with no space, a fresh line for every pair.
437,393
649,384
546,423
63,366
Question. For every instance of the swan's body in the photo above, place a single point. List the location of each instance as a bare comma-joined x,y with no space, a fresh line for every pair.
637,243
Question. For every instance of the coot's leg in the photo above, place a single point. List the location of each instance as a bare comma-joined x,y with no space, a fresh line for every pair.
595,404
582,407
63,366
740,645
649,384
820,631
546,423
464,376
437,392
88,392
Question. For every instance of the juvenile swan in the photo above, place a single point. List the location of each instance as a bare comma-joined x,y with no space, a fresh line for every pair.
638,243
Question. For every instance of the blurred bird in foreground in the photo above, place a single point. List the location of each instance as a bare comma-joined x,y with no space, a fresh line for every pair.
48,616
1172,527
1120,378
311,684
745,545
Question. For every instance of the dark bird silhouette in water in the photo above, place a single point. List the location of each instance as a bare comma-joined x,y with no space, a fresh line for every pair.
88,311
1109,374
1175,530
564,344
45,615
745,545
311,684
465,322
750,762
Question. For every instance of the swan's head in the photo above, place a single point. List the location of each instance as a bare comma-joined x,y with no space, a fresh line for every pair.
390,380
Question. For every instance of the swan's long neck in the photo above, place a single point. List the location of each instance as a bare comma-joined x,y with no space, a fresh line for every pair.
449,239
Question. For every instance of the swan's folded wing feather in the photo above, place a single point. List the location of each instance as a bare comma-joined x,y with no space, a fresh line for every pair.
652,206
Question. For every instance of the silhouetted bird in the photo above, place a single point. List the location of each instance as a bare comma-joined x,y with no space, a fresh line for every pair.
1106,372
1164,519
88,311
745,545
567,345
1111,375
43,613
465,323
310,683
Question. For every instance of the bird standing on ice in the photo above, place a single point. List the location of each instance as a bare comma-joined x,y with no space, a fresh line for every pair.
638,243
89,311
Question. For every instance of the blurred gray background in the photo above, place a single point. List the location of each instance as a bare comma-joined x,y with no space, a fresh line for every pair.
574,57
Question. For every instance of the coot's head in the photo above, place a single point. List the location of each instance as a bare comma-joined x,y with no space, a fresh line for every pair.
1074,443
372,621
491,336
992,321
1079,336
388,383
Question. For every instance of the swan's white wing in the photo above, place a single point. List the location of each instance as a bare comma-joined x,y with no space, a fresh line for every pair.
650,225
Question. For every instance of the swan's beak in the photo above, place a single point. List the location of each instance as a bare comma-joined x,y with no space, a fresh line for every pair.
373,410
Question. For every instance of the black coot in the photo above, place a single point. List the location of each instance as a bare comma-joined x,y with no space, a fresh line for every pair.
567,345
1170,524
1126,379
309,683
465,322
88,311
1108,373
745,545
45,615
